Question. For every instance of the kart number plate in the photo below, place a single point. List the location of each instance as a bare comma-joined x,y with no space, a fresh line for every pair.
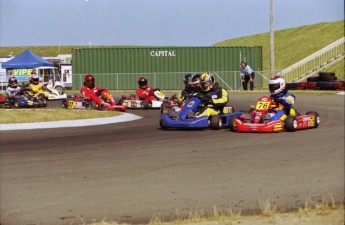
262,105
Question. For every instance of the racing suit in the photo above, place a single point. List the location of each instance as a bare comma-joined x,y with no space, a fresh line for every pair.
186,93
36,88
216,98
92,94
285,103
14,94
145,93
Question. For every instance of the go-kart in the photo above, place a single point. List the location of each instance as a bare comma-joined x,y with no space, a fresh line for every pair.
186,118
39,99
265,117
133,102
79,102
54,93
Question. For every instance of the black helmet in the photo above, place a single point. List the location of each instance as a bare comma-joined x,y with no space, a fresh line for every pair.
142,81
187,80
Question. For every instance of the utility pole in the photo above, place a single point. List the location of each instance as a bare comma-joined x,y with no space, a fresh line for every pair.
272,36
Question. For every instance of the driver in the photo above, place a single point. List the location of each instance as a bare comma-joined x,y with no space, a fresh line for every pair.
91,92
215,98
35,85
280,95
14,92
144,91
189,87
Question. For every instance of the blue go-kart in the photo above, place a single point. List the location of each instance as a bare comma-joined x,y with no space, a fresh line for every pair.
186,118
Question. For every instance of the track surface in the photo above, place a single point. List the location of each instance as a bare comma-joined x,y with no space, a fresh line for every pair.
132,171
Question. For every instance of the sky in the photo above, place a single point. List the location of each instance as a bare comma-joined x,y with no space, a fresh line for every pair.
152,22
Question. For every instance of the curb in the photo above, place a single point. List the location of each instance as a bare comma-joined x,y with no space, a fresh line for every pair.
125,117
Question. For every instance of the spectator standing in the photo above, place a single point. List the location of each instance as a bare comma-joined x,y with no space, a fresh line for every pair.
247,76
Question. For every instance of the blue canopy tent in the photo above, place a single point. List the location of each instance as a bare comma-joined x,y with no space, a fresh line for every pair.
26,60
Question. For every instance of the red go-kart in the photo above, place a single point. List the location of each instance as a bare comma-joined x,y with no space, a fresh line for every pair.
265,117
78,102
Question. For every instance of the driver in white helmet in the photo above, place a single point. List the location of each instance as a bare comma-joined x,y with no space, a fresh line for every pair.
279,93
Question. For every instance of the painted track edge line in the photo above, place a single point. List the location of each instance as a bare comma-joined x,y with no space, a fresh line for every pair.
70,123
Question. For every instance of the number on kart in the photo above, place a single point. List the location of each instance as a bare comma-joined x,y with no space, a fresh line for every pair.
262,105
134,104
71,104
311,122
160,94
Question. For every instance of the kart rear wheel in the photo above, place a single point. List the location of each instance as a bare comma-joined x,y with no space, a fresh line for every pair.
64,104
232,122
146,104
42,100
216,122
290,123
317,117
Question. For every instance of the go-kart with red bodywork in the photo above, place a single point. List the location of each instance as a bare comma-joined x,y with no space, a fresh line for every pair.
79,102
133,102
265,117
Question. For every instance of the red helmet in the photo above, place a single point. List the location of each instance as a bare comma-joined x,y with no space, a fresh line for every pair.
89,81
35,79
277,86
142,81
12,81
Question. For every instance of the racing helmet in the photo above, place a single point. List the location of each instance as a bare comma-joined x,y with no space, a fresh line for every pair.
35,79
187,80
206,81
12,81
277,86
142,81
89,81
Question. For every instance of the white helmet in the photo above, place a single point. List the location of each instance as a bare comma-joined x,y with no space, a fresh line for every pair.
277,85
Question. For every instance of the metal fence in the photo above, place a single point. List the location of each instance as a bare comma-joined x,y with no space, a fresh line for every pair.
167,81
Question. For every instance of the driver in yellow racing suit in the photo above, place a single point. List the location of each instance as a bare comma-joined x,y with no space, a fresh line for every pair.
215,98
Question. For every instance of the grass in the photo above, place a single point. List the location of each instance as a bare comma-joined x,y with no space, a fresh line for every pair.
290,44
8,116
320,213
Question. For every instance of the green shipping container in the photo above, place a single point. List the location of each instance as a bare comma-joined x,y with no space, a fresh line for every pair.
119,67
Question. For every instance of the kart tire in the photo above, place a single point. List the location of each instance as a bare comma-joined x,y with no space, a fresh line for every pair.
59,89
64,104
161,125
17,104
290,124
146,104
317,117
216,122
165,108
42,100
232,123
121,101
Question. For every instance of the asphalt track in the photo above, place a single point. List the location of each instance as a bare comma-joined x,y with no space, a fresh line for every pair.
132,171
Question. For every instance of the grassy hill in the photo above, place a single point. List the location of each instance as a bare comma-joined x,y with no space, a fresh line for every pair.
291,45
294,44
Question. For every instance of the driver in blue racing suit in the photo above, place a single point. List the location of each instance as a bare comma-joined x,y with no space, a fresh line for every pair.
14,92
215,98
279,93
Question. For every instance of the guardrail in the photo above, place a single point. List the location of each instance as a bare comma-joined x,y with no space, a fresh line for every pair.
315,62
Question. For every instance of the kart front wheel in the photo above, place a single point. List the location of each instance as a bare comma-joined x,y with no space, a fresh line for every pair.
232,122
216,122
317,118
290,123
165,108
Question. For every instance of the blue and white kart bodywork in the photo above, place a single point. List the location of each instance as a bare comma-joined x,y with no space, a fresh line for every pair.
182,119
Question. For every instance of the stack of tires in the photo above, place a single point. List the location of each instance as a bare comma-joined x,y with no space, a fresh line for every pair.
325,81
